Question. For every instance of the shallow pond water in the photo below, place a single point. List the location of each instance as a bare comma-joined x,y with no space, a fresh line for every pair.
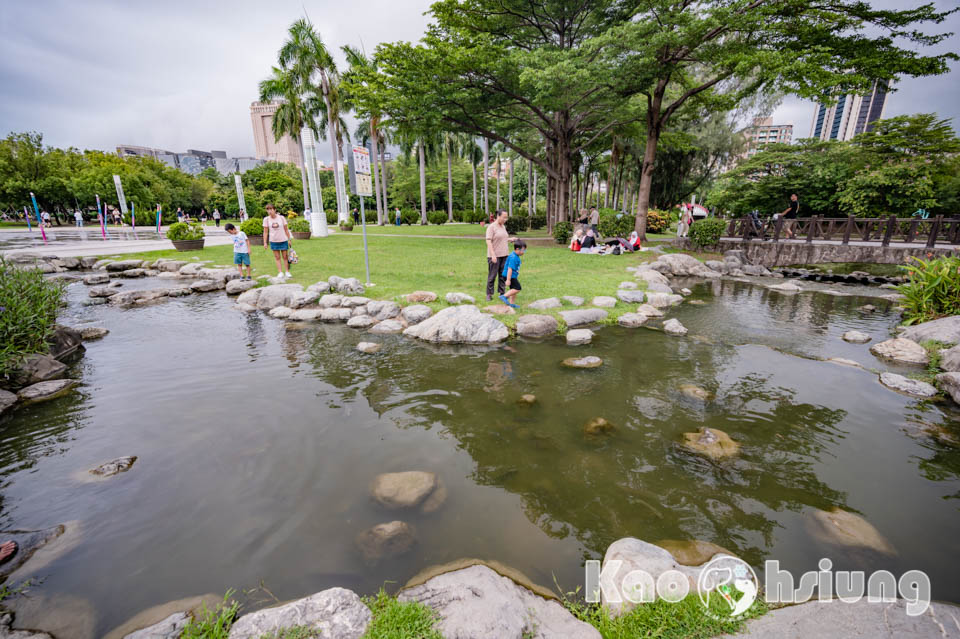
258,439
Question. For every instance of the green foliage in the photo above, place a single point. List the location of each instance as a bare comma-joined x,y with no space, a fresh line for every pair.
517,223
180,231
658,221
331,216
706,232
393,619
562,232
437,217
252,226
615,224
538,222
409,217
346,225
28,312
8,592
212,624
932,289
299,225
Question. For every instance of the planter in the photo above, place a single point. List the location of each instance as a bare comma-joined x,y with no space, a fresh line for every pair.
255,240
188,245
346,229
300,235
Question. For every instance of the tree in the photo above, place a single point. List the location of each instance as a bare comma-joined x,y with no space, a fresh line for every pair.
357,82
286,86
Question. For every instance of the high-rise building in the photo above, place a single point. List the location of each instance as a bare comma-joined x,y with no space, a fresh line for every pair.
286,150
851,115
762,131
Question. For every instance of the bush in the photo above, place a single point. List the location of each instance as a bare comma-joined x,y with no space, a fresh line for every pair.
253,226
562,232
613,224
299,225
538,222
706,232
474,217
410,217
331,217
517,223
437,217
658,221
346,225
181,231
28,311
932,289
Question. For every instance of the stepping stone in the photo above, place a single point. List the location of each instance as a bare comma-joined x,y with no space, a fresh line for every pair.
498,309
45,391
649,311
459,298
96,278
628,286
663,300
361,321
387,327
907,386
631,297
573,300
590,361
632,320
604,301
901,350
674,327
579,336
368,347
545,304
856,337
235,287
420,297
582,317
536,325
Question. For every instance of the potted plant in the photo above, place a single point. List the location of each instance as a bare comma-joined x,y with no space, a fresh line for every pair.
186,237
346,225
300,228
253,227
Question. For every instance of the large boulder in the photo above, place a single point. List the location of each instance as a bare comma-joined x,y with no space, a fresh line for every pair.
45,391
902,351
416,313
950,359
235,287
582,317
545,304
950,382
383,310
460,325
386,540
478,603
906,385
945,329
336,613
124,265
409,489
7,399
275,295
536,325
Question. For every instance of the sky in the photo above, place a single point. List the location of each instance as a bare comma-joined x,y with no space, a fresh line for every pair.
181,75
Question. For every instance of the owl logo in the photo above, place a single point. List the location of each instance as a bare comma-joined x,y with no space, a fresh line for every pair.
733,581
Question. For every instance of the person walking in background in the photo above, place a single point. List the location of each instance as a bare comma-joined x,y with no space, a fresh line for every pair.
790,215
276,231
594,221
45,217
497,251
398,216
117,217
179,214
78,216
216,217
203,216
243,215
356,217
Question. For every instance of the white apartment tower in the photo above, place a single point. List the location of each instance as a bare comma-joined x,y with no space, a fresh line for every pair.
851,115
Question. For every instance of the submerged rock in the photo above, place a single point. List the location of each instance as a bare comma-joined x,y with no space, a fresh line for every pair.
389,539
856,337
7,399
906,385
597,426
336,613
590,361
711,442
536,325
901,350
88,333
527,400
673,327
545,304
45,391
460,325
113,467
845,362
693,552
579,336
368,347
785,287
841,528
409,489
694,392
478,603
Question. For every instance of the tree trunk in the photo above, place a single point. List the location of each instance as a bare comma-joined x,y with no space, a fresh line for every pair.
303,175
510,192
486,173
423,184
530,190
646,179
533,195
449,183
376,179
383,170
473,175
498,181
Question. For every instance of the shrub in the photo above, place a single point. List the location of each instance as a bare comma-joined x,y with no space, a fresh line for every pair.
299,225
538,222
932,289
331,217
475,217
517,223
706,232
459,216
658,221
562,232
346,225
28,312
180,231
252,226
613,224
410,217
437,217
292,214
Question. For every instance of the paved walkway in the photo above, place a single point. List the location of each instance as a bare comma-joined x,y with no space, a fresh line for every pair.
88,242
816,620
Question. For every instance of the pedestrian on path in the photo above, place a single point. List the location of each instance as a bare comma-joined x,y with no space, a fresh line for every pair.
497,250
398,216
78,216
216,217
594,221
790,216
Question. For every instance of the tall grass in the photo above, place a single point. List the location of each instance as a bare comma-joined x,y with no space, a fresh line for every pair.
932,289
28,311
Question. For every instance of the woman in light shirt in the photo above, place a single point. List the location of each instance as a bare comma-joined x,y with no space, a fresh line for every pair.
276,231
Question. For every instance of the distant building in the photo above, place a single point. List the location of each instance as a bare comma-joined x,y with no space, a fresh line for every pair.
851,115
170,159
286,150
245,164
193,161
225,165
129,150
762,131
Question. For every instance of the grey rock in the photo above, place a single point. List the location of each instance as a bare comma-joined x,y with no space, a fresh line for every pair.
96,278
275,295
573,300
459,298
280,312
101,264
88,262
906,385
460,325
674,327
579,336
114,466
383,310
420,297
124,265
134,272
386,540
755,270
590,361
245,308
785,287
335,314
303,298
652,277
130,298
354,301
478,603
545,304
357,311
346,286
632,286
368,347
845,362
7,399
38,367
179,291
603,301
945,329
387,327
632,320
169,266
737,254
361,321
101,291
582,317
44,391
249,297
305,314
191,268
203,286
950,383
659,288
901,350
717,265
114,284
856,337
170,276
336,613
235,287
331,300
631,297
88,333
686,291
94,301
682,264
416,313
6,632
221,275
950,359
649,310
663,300
409,489
536,325
168,628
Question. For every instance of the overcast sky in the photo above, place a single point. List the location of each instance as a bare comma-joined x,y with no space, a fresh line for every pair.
181,74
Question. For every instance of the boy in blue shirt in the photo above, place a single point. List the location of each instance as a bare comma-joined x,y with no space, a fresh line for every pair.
511,268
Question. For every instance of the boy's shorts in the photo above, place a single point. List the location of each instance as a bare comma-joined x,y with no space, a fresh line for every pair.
515,285
241,258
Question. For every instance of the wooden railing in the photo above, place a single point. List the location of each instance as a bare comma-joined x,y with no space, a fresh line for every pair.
932,231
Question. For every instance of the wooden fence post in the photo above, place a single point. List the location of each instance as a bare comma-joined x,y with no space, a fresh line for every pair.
812,228
934,231
849,229
777,228
747,224
891,226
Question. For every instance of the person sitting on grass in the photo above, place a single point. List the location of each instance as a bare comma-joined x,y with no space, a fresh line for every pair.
241,251
577,240
589,242
634,241
510,271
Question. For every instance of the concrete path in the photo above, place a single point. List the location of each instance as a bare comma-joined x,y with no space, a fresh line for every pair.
827,620
73,242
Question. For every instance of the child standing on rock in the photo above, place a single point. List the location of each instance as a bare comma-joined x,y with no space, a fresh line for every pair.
511,269
241,251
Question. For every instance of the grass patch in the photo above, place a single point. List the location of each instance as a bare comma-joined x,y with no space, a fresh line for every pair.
394,619
213,624
29,305
401,265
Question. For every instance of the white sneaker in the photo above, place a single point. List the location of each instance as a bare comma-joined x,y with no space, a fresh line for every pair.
279,276
289,275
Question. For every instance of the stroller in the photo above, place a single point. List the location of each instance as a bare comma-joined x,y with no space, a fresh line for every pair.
757,227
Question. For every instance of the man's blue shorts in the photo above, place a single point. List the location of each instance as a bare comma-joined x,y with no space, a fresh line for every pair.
279,246
241,258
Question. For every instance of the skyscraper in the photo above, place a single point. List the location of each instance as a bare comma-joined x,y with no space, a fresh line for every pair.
286,150
851,115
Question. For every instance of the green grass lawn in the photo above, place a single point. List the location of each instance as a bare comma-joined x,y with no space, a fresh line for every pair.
400,265
439,229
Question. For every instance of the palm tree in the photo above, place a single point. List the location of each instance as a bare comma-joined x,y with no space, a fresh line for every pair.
362,67
291,115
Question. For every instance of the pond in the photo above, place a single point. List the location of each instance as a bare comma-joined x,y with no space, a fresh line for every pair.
258,440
